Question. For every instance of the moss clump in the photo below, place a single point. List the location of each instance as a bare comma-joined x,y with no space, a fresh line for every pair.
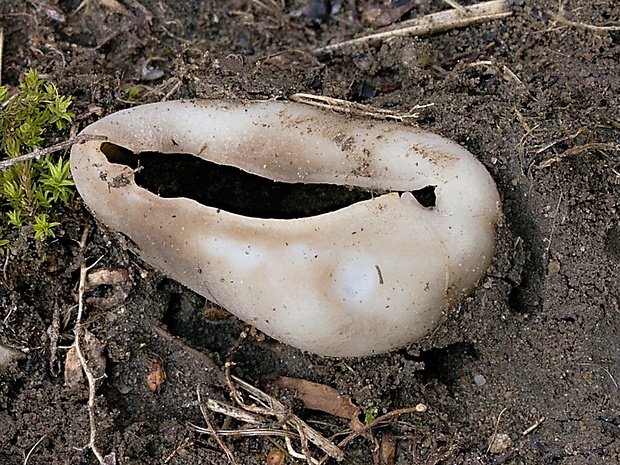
29,190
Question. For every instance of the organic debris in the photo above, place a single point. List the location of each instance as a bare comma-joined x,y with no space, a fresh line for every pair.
426,25
8,356
156,376
106,276
378,15
324,398
108,287
93,353
276,457
387,450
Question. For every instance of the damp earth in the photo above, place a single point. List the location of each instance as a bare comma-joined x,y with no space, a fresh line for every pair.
524,371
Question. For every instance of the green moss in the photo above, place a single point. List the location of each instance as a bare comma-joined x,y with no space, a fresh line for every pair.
30,190
370,414
132,93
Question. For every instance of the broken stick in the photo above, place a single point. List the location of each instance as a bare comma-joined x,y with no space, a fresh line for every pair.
429,24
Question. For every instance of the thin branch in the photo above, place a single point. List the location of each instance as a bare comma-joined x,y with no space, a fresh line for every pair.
205,415
494,435
552,230
261,403
77,331
38,153
233,412
244,432
577,150
457,6
277,409
536,424
562,19
420,408
269,405
33,448
353,108
429,24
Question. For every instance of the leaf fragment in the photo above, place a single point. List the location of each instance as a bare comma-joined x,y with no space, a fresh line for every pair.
321,397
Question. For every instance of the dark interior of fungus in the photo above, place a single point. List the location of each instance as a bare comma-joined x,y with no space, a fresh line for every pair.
236,191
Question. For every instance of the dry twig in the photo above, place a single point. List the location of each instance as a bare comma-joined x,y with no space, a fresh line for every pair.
245,432
272,407
205,416
184,446
352,108
494,435
429,24
77,331
33,448
266,405
457,6
38,153
53,332
577,150
233,412
533,427
562,19
420,408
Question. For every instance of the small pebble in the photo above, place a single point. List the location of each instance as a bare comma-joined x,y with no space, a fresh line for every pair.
124,389
8,356
480,380
554,267
499,443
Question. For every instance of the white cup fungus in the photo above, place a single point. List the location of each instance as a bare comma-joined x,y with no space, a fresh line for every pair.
355,280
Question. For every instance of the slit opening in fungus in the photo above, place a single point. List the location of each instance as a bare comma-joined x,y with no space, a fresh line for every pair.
173,175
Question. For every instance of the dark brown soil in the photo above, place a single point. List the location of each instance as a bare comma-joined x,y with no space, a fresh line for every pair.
534,98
